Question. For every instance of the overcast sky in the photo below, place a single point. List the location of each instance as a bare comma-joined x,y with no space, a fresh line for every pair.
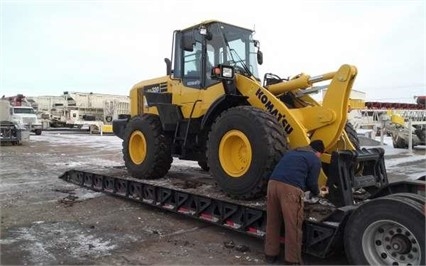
48,47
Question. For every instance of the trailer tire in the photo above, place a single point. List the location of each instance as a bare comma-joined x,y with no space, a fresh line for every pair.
146,149
37,132
244,145
379,233
416,197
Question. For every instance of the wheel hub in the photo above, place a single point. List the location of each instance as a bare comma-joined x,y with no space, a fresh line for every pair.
401,244
390,243
137,147
235,153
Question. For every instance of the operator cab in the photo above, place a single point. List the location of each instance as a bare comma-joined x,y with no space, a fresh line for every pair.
200,49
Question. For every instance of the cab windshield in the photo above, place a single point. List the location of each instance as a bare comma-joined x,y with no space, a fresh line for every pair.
198,51
232,45
23,110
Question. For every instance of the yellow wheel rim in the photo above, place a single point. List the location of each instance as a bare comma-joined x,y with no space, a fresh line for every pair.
137,147
235,153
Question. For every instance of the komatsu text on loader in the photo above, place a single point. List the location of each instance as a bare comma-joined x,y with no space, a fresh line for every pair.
211,107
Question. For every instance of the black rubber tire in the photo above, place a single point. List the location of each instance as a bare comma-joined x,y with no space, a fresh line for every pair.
352,135
268,143
204,165
416,197
373,228
421,133
37,132
158,157
398,142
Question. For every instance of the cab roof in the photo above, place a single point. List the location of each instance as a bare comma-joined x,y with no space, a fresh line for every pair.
212,21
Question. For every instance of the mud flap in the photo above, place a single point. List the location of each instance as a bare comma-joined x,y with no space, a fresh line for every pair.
352,170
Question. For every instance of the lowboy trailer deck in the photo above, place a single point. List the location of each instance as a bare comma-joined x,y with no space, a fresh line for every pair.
371,224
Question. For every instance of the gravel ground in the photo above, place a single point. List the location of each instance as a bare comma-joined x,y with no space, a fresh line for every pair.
45,220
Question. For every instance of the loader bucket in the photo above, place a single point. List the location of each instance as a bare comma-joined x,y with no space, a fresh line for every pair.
355,175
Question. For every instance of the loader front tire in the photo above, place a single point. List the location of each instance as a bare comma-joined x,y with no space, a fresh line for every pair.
243,147
146,149
379,233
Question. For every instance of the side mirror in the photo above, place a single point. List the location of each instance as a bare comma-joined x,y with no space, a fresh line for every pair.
259,57
259,53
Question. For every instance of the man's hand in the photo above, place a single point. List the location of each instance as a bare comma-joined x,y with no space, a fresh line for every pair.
323,191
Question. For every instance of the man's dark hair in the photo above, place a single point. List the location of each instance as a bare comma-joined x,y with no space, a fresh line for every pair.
317,145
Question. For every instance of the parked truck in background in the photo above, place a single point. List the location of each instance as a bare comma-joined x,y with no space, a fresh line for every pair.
11,130
22,111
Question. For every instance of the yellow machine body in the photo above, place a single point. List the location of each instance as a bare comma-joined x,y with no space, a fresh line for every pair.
189,106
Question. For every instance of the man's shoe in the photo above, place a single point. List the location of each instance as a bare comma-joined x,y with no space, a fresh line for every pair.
271,259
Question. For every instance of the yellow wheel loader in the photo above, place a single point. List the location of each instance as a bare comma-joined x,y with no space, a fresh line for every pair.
212,108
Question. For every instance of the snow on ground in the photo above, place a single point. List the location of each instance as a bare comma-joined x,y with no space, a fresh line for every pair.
411,164
59,235
394,158
95,141
30,185
112,142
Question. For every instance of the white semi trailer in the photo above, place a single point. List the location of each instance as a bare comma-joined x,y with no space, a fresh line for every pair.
76,109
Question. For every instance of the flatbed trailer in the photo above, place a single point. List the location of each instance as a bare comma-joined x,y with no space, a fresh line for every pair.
325,226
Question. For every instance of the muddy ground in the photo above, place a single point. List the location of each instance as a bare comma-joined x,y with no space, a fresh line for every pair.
45,220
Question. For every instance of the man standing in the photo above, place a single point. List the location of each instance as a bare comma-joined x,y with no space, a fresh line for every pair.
296,172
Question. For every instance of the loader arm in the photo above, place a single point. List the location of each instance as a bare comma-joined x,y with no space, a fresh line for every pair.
313,121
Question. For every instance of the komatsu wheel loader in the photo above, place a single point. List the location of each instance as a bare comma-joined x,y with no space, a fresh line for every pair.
211,107
224,118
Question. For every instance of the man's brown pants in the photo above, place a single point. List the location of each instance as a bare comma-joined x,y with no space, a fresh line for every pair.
284,202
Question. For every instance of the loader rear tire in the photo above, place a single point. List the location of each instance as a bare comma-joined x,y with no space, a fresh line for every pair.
244,145
387,231
146,149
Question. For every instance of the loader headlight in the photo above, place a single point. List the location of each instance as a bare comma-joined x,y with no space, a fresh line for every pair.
227,72
223,72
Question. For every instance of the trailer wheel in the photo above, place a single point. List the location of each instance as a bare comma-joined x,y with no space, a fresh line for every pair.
243,147
387,231
146,149
37,131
